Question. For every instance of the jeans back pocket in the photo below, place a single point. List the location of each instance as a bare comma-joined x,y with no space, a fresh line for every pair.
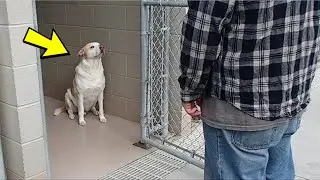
254,140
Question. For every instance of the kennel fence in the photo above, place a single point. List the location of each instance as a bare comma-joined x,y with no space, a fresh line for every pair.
164,123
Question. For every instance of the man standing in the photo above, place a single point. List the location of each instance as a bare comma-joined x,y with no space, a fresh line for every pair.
252,63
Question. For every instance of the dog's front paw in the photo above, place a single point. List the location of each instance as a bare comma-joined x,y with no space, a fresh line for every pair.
72,116
82,122
103,119
96,113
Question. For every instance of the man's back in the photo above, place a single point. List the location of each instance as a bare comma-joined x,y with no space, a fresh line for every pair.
260,56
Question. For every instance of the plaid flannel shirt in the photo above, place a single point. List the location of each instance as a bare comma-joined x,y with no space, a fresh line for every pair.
260,56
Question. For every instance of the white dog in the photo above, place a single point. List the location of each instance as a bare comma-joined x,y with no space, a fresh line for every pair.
88,85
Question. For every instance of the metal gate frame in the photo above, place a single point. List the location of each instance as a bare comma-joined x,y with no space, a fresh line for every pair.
146,95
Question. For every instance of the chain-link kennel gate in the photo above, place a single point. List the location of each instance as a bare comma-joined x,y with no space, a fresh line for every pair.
164,123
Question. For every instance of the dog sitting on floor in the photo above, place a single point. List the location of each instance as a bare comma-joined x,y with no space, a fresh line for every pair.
88,85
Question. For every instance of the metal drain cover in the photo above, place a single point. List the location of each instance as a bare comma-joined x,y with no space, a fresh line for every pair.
156,165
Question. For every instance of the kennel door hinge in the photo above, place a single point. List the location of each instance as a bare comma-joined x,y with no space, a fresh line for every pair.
146,117
147,81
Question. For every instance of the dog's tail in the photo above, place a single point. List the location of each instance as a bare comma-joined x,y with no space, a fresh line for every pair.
59,110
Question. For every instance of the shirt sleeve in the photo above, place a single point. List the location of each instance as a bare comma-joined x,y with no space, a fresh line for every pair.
201,37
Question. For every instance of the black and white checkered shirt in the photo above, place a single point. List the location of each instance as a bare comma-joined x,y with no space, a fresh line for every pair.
260,56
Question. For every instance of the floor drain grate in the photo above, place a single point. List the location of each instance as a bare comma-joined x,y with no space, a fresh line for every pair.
156,165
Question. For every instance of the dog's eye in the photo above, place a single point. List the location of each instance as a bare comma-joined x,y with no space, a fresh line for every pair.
91,47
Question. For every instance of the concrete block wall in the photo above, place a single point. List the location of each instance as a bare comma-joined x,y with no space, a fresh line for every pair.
22,133
116,25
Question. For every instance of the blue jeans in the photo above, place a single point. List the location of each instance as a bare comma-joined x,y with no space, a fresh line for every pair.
257,155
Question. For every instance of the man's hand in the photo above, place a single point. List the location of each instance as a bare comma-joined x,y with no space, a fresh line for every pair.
192,109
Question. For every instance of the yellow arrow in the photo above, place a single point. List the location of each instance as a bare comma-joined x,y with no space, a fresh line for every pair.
54,47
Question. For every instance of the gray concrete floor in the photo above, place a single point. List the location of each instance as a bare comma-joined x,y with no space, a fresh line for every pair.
92,151
306,144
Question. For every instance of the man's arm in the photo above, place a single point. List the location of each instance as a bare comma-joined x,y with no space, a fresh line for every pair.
201,37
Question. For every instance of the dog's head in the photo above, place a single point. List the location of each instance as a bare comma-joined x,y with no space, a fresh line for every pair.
92,50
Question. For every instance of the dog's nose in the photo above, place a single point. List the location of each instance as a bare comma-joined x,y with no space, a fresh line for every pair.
101,47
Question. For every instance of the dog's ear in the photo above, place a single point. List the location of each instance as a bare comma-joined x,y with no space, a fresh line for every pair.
103,52
81,53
